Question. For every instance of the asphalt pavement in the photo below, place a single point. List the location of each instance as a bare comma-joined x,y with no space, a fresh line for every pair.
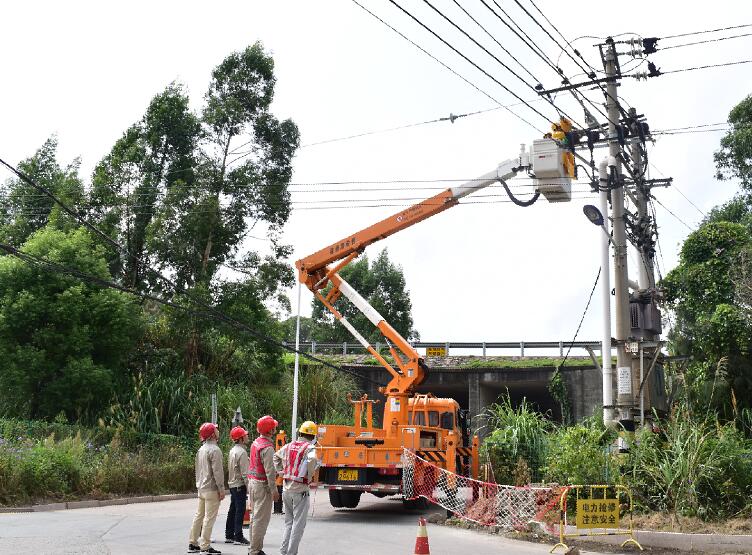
377,526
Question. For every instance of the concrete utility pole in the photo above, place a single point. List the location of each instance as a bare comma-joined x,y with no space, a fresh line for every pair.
625,399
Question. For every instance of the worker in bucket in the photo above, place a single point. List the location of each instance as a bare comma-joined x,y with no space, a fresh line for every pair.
237,469
210,483
261,482
297,463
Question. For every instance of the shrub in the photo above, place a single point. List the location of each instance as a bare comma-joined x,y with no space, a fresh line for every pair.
580,454
520,434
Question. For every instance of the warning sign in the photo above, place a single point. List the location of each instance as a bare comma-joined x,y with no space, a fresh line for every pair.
597,513
436,351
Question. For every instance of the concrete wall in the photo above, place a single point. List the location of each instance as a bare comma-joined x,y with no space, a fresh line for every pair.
476,389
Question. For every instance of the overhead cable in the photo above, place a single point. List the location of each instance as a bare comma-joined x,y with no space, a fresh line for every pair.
706,67
123,250
453,71
704,41
476,66
708,31
215,315
505,66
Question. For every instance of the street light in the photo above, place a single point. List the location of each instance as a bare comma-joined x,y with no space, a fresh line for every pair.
596,218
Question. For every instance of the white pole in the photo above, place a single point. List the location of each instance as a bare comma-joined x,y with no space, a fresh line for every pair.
608,391
294,430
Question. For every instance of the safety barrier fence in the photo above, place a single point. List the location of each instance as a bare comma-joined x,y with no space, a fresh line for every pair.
489,504
448,346
598,511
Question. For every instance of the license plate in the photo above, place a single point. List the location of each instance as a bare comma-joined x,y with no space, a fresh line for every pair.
347,475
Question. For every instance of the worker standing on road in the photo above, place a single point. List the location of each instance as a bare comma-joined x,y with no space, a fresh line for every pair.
297,462
237,467
210,483
261,482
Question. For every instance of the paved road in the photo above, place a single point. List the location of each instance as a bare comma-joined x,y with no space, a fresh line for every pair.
378,526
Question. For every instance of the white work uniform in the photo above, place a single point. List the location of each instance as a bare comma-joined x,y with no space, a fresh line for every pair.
296,500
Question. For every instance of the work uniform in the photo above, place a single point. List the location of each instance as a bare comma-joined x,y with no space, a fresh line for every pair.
237,467
297,462
209,479
261,477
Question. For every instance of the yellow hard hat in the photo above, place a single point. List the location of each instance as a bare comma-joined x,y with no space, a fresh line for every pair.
308,428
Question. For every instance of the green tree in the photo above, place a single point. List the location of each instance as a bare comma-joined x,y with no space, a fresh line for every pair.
182,190
152,157
734,158
62,341
27,209
383,284
711,323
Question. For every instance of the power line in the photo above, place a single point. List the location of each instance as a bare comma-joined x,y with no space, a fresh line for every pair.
523,66
704,215
704,41
708,31
505,66
582,319
447,67
476,66
215,315
685,224
706,67
451,118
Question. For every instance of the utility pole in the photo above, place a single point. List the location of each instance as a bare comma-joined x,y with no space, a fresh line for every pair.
625,399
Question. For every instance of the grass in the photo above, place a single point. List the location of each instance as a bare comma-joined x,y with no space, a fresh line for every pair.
63,467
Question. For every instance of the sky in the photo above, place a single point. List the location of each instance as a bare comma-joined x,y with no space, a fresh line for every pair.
486,271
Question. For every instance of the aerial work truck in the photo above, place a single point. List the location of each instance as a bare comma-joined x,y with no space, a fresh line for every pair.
362,457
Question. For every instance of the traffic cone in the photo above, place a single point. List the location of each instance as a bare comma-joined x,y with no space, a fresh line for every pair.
421,540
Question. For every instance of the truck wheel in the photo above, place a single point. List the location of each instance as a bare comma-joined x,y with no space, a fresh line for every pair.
335,498
415,504
350,499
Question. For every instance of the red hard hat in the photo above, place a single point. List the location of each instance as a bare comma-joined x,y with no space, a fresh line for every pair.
206,430
238,432
266,424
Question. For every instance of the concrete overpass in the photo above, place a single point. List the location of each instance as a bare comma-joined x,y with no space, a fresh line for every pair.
477,382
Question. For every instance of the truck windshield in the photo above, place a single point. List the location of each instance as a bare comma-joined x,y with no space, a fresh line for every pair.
447,420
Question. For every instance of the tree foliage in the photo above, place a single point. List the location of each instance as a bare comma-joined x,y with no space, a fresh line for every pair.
27,210
383,284
63,342
734,158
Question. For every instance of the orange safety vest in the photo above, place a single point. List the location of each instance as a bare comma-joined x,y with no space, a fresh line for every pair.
256,468
296,462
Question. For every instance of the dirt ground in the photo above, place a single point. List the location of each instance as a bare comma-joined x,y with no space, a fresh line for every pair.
663,522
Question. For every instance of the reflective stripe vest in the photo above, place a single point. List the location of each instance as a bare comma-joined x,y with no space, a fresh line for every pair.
296,463
256,468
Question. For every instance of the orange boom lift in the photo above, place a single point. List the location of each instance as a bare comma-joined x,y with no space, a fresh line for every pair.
363,457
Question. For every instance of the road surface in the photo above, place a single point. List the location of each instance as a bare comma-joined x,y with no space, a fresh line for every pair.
377,526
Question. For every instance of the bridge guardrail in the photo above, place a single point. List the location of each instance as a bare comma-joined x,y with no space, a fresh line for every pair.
353,348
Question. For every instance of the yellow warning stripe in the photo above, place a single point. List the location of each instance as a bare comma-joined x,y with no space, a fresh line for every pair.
432,456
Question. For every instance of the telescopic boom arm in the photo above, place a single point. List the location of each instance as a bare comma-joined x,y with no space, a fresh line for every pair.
320,269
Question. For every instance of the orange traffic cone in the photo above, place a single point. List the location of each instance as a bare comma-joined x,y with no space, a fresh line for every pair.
421,540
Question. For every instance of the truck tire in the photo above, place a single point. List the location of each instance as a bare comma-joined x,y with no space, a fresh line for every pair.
418,504
335,498
350,499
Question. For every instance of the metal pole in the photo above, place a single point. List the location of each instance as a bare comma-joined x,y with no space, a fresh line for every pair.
607,376
642,390
646,275
621,301
295,374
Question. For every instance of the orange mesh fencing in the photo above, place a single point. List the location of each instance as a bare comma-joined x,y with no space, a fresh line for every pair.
508,507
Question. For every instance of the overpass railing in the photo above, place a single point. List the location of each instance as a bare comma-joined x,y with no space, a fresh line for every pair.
483,347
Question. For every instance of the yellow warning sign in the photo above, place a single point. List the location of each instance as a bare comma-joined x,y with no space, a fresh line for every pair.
597,513
436,351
